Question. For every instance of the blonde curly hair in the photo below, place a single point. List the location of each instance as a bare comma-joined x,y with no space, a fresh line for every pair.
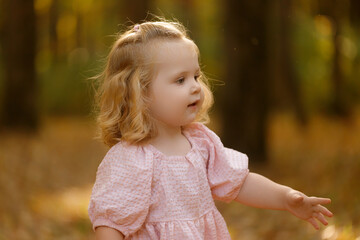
121,98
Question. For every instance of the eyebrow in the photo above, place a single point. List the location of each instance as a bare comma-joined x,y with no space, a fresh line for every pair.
184,72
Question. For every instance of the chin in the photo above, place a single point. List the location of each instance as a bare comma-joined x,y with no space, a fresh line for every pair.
186,124
189,121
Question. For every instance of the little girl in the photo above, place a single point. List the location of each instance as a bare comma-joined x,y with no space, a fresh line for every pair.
164,167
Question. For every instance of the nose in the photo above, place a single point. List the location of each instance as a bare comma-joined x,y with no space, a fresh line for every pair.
195,87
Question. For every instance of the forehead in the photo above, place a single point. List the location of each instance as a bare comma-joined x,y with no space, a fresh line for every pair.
175,55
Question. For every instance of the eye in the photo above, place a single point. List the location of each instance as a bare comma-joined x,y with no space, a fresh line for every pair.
196,77
180,80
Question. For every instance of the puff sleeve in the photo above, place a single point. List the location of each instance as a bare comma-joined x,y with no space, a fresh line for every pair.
121,193
226,167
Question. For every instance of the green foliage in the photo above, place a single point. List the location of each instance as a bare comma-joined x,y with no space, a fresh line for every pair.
63,89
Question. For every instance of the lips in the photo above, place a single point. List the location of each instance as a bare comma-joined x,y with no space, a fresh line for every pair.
193,103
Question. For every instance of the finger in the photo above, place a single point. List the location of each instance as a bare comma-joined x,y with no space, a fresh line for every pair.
314,223
323,210
316,200
321,218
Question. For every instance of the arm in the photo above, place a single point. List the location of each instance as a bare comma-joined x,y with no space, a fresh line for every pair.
261,192
107,233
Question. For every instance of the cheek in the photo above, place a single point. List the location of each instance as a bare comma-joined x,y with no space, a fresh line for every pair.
164,101
171,101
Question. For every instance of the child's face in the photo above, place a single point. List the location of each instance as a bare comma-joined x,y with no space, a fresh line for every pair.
175,85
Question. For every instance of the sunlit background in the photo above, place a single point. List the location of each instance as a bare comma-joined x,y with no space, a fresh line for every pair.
286,78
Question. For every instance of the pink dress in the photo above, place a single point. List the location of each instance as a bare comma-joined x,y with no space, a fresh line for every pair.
147,195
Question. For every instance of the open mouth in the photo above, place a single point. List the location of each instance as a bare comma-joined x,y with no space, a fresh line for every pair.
193,104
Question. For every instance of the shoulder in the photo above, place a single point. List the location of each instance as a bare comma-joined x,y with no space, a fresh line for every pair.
202,133
123,153
201,130
124,148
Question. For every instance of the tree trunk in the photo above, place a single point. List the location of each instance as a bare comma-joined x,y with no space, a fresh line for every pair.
53,20
245,94
289,76
134,11
20,108
355,13
338,104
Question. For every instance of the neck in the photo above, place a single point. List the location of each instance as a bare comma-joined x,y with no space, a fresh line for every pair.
165,132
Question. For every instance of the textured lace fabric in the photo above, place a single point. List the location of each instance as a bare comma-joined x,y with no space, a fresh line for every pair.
147,195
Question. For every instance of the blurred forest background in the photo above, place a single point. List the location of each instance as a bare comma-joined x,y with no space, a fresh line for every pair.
286,77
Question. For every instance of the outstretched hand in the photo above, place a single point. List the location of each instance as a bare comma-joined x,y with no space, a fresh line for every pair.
307,208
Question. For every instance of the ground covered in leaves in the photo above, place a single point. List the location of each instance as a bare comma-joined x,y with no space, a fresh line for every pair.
46,180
